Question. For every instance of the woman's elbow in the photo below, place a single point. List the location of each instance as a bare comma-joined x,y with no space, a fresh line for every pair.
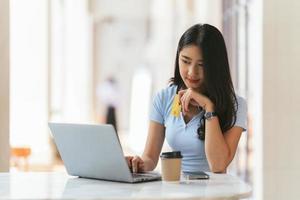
219,164
219,170
218,167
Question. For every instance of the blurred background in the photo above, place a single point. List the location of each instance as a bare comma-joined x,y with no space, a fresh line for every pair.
101,61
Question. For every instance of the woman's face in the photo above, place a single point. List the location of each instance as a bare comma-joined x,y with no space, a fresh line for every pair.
191,66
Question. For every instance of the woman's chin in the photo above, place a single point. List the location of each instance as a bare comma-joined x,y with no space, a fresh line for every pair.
193,86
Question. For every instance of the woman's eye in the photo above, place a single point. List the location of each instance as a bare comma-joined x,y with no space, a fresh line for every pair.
185,61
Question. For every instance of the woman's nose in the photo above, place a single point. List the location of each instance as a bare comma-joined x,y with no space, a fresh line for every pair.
192,70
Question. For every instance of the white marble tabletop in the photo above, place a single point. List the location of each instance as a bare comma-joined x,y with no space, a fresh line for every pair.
54,185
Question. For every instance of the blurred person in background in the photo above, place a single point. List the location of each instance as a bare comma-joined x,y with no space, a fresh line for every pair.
107,94
199,113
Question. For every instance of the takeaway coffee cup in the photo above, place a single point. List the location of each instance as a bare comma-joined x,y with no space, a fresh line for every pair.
171,166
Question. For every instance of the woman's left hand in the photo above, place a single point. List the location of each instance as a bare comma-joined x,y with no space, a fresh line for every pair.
191,97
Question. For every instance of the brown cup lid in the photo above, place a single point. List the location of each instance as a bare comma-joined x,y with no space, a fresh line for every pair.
173,154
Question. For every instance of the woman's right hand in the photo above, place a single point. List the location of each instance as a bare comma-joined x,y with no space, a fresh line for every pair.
135,163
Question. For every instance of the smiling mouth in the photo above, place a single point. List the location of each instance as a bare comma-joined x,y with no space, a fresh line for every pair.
193,81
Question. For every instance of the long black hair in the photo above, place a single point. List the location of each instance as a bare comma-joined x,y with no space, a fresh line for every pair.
217,83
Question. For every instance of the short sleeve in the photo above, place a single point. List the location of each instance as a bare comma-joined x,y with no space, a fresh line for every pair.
157,109
241,115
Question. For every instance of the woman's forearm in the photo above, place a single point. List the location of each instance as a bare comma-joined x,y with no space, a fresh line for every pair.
216,148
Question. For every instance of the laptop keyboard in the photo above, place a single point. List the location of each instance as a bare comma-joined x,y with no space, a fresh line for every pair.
148,176
138,175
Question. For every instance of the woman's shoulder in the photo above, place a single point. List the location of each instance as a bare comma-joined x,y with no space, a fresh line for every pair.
241,100
168,92
241,104
241,112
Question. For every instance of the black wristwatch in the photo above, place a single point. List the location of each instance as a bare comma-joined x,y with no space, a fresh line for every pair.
209,115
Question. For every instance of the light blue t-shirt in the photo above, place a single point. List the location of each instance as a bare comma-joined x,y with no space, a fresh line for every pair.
183,137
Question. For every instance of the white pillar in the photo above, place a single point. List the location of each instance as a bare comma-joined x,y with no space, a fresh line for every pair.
255,94
4,85
280,100
139,109
29,78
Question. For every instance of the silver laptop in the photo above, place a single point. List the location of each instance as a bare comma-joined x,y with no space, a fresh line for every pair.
94,151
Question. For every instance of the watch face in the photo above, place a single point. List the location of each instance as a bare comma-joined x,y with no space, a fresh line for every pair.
209,115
